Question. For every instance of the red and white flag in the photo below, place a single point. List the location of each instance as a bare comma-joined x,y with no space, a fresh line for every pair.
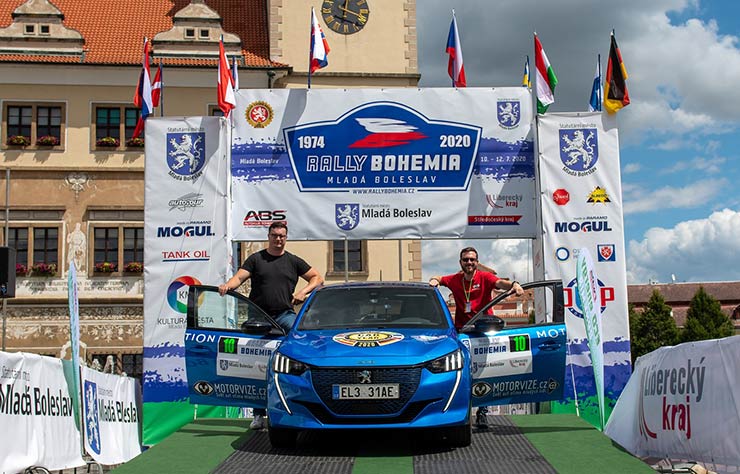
157,87
143,94
226,97
455,67
319,46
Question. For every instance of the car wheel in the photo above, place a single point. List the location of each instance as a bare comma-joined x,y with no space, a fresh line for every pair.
460,436
282,437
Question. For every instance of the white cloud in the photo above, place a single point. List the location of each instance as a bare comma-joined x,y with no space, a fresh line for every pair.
511,258
694,195
707,165
696,250
631,168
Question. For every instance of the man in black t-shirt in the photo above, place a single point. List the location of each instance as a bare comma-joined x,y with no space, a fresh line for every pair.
274,273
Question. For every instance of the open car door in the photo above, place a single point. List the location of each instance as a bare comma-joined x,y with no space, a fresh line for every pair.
228,343
520,364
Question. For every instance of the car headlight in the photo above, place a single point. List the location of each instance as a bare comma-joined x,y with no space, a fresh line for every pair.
446,363
285,365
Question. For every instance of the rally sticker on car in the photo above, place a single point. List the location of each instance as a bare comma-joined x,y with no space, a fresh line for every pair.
367,338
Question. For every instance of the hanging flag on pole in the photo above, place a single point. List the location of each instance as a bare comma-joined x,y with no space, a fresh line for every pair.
525,78
594,103
157,89
545,79
235,73
615,84
318,54
226,98
143,95
455,66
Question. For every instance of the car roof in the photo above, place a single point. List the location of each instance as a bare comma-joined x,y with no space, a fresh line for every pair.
376,284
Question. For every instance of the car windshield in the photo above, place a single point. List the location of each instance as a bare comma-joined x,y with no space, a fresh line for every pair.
374,307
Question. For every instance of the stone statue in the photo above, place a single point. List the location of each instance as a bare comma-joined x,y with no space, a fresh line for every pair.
77,248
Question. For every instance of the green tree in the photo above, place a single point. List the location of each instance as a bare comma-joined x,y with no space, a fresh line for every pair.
653,328
705,319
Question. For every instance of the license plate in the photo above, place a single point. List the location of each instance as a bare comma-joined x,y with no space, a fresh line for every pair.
376,391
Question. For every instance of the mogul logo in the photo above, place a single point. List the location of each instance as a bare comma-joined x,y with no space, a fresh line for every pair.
191,230
507,112
573,300
579,150
186,155
676,389
382,144
589,224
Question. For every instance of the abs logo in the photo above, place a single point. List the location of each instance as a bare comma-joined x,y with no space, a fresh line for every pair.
177,293
264,217
605,253
579,150
92,418
507,112
573,301
347,216
382,145
186,155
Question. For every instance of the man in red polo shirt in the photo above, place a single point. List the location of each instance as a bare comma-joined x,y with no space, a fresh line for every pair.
472,289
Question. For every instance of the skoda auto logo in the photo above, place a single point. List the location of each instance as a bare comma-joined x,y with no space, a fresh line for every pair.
364,376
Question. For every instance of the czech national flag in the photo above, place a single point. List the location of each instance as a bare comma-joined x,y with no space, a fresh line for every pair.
143,95
455,67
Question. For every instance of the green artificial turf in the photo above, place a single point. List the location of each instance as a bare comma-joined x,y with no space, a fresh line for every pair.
559,437
196,448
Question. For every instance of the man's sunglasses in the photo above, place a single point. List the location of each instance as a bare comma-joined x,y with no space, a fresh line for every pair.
468,259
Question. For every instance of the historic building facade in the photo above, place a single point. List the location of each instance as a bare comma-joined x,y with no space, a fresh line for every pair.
74,179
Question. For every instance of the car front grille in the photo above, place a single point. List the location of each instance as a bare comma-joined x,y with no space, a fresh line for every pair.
406,377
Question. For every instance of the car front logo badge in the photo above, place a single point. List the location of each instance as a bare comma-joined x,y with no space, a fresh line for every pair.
364,376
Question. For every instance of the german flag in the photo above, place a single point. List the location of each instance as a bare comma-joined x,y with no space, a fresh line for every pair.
615,85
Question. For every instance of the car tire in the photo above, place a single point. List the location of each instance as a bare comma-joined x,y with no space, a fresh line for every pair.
460,436
282,437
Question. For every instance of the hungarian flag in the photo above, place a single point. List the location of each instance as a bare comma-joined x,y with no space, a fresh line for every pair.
455,66
157,86
615,85
319,46
143,94
226,98
545,79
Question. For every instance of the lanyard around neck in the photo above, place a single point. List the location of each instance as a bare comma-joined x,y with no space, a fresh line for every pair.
470,287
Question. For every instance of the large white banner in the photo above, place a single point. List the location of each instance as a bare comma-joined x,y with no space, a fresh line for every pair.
682,403
581,196
111,417
384,163
37,425
185,242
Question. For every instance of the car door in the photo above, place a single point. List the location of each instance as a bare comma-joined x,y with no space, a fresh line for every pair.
521,364
228,343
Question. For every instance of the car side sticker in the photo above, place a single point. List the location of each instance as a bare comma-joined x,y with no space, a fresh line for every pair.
368,338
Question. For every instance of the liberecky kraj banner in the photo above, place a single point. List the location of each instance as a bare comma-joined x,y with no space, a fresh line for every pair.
681,403
36,415
581,197
110,417
384,163
185,243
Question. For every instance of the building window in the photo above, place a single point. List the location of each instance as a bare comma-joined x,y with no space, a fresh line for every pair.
18,239
44,29
36,247
214,111
29,29
133,365
116,122
116,246
204,33
40,124
357,257
189,33
46,245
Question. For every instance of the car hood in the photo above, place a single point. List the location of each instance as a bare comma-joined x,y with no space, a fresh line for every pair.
379,347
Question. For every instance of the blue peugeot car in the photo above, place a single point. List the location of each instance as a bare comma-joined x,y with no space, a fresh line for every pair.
370,355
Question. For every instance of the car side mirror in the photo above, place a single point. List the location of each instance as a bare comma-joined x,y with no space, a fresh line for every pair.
256,328
487,324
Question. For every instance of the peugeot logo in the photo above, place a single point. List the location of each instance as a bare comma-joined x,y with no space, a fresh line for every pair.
364,376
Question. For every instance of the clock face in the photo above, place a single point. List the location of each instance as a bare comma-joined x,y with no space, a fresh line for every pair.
345,16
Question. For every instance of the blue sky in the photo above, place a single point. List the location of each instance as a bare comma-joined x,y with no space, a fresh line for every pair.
679,140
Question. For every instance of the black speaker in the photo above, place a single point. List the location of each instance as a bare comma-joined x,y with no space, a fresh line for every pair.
7,272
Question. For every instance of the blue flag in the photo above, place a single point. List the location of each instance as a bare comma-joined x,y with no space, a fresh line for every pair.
594,103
